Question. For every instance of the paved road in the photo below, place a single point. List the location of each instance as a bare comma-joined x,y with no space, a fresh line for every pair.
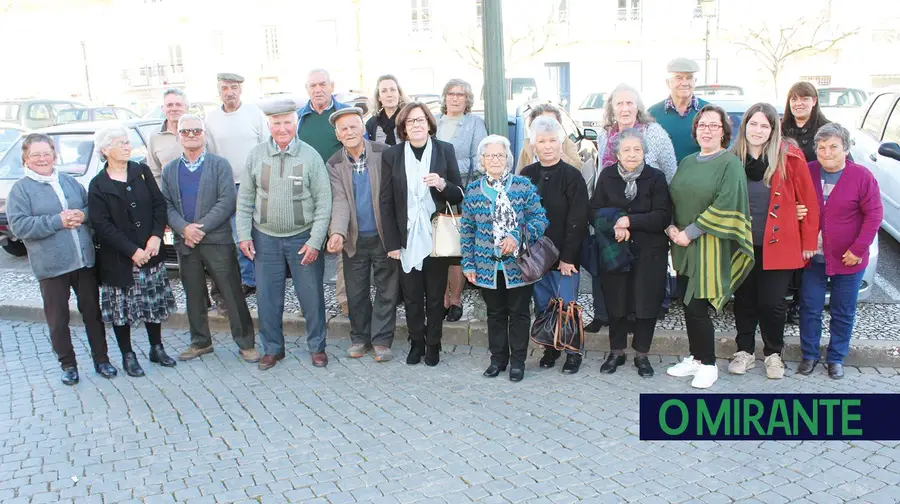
219,430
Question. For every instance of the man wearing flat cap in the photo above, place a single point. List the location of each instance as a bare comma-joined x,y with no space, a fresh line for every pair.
355,173
232,131
283,210
676,113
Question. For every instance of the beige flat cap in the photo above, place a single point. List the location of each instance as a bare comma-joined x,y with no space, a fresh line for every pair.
345,111
230,77
682,65
279,107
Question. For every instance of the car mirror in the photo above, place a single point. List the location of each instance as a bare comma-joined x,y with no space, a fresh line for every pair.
590,134
890,149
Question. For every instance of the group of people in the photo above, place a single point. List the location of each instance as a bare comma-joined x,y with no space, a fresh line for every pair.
251,194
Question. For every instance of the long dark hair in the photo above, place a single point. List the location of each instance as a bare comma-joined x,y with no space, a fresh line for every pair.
803,89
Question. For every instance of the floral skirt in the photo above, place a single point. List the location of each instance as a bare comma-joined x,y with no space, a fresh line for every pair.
150,299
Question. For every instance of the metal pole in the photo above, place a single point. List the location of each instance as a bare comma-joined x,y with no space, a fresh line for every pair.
494,77
87,76
706,42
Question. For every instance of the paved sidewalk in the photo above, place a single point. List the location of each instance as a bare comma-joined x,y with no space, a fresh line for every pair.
219,430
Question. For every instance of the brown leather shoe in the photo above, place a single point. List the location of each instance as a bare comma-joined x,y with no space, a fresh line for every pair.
192,352
268,361
319,359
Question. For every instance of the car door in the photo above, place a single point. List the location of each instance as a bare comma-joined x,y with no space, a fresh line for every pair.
889,169
864,150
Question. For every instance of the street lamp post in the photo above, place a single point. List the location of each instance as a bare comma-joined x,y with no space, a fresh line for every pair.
708,11
87,76
494,78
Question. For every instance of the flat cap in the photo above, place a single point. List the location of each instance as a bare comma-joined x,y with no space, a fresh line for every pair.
682,65
230,77
344,111
278,107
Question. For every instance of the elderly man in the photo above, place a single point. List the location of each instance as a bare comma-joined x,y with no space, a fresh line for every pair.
164,146
233,131
200,202
676,113
283,209
355,173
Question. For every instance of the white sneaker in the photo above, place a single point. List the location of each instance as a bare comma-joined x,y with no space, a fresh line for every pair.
741,363
705,377
687,367
774,367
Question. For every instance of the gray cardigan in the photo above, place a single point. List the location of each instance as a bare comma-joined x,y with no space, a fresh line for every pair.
470,132
33,212
216,202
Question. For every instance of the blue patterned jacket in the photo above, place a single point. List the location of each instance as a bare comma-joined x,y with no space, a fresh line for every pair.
477,230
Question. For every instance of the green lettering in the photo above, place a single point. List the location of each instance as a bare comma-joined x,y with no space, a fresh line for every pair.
847,417
684,417
829,404
812,424
752,418
737,417
779,409
721,417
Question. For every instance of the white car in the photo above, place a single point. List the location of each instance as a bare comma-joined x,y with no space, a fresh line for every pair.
842,104
590,113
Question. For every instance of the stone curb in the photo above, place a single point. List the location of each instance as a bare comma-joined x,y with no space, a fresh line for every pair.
863,353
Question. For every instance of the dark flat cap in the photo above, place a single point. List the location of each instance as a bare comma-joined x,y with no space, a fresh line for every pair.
682,65
345,111
278,107
230,77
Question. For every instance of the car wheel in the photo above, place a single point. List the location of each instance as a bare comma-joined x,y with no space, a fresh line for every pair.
15,248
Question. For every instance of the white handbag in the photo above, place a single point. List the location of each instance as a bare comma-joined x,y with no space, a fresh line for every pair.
445,235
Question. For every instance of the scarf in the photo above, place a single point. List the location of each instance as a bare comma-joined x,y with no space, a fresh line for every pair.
52,180
755,168
388,126
609,152
504,216
630,179
419,208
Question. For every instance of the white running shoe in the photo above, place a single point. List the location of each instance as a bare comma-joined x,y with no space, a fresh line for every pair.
742,363
687,367
705,377
774,367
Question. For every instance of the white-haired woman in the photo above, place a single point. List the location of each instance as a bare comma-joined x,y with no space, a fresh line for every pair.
457,125
496,210
128,214
564,196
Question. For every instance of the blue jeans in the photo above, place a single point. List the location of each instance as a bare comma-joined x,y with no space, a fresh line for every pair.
248,275
273,256
554,282
844,292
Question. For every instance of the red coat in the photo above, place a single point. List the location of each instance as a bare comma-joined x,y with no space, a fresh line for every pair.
785,237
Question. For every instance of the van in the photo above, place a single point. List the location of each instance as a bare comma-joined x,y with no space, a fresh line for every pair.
36,113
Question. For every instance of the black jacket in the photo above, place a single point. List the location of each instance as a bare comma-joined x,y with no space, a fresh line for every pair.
388,126
565,198
123,220
393,189
650,212
804,136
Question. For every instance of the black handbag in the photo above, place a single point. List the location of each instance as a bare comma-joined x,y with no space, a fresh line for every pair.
535,261
560,326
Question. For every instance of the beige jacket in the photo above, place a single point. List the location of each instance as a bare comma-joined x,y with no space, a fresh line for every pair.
569,155
163,148
343,207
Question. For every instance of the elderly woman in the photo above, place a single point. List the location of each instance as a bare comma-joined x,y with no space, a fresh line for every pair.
638,191
777,180
48,211
848,225
496,210
528,155
713,251
457,125
419,178
128,214
389,99
564,196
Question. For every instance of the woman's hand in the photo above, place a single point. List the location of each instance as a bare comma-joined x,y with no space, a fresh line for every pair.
849,259
681,239
567,269
623,222
394,254
470,276
622,234
801,212
671,231
152,246
140,257
808,254
435,180
508,245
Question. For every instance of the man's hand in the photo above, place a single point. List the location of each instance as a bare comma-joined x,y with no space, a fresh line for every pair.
567,269
801,212
193,234
335,244
849,259
470,277
247,249
394,254
152,246
309,255
508,245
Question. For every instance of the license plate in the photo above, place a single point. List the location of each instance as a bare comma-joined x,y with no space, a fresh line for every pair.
169,238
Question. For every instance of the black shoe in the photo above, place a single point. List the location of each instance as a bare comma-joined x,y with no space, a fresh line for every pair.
836,371
158,355
516,374
494,370
70,376
613,361
643,366
573,363
432,355
595,326
806,367
549,358
105,369
454,313
416,351
131,366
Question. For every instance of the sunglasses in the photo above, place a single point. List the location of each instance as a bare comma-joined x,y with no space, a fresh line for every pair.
191,132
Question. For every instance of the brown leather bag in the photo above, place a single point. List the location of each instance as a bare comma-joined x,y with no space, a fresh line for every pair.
535,261
560,326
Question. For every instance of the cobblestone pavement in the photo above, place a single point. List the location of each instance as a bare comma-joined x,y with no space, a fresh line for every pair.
218,430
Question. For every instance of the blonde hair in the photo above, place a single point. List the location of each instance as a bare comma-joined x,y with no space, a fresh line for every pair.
775,149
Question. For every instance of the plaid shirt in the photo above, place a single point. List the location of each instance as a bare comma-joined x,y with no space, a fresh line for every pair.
612,255
192,167
695,104
359,165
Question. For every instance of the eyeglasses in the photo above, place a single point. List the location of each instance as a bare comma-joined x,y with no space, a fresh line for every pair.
417,120
191,132
710,127
456,95
39,155
121,143
494,157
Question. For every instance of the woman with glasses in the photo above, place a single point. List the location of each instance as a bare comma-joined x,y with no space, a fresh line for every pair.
128,214
420,178
496,210
713,251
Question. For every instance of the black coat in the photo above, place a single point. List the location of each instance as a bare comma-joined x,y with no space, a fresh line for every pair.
394,189
123,220
804,136
564,196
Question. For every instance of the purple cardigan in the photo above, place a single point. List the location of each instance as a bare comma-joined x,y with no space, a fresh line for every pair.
851,218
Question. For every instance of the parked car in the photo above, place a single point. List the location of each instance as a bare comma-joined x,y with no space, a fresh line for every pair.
34,113
712,91
356,99
196,108
9,133
590,112
89,114
842,104
75,156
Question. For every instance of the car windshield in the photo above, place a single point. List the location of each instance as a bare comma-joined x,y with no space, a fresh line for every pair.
72,115
718,91
593,101
840,98
7,137
73,153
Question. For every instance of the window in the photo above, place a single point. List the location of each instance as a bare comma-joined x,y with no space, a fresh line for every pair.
561,12
272,43
9,112
892,133
877,114
175,62
479,12
421,16
39,111
138,149
593,101
818,80
629,10
125,114
104,114
840,98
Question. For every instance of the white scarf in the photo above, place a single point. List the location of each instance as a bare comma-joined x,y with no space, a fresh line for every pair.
504,217
419,208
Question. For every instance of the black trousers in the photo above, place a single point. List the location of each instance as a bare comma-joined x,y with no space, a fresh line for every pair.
700,330
760,300
423,296
508,322
55,293
643,333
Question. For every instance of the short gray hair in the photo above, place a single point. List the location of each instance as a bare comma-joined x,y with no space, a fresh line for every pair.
609,116
544,125
467,88
103,139
191,117
176,92
833,130
627,134
319,70
496,140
